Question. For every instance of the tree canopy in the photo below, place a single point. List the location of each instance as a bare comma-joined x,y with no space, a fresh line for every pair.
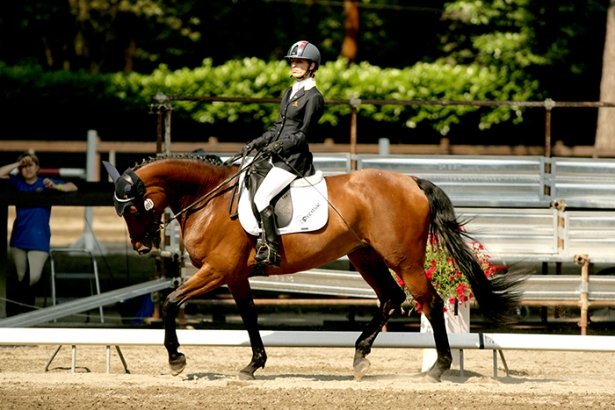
427,49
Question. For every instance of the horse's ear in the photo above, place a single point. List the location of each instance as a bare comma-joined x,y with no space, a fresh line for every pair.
113,172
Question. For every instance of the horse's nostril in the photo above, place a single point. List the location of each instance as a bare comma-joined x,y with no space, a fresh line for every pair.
143,250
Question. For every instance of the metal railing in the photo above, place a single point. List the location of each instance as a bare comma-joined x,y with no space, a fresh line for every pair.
163,109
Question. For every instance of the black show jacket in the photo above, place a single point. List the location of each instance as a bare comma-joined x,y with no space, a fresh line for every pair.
298,116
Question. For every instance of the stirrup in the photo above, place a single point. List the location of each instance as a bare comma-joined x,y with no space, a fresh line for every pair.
266,255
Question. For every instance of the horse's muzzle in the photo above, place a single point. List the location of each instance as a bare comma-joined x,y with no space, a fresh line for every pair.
144,247
143,250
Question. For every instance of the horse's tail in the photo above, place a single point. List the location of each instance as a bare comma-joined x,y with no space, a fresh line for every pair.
496,296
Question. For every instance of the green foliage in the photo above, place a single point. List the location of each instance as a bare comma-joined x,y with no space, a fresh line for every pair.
254,78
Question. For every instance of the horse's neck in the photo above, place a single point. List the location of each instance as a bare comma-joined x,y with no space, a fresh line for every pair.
189,183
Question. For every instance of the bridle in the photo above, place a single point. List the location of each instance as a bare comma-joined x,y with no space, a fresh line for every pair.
160,225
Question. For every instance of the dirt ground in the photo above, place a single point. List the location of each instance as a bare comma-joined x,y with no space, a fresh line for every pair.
299,378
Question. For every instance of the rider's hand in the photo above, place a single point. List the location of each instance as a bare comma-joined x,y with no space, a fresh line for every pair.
273,148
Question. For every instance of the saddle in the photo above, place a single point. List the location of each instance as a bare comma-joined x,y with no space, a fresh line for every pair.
300,207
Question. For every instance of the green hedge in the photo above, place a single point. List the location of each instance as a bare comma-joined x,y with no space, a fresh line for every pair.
119,96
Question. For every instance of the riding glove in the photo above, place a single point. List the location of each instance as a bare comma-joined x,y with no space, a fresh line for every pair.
273,148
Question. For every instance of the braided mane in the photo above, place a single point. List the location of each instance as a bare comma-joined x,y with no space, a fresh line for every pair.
207,158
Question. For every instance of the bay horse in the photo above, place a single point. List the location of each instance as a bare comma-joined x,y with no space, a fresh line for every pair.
380,219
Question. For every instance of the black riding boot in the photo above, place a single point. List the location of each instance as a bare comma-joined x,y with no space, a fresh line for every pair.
267,244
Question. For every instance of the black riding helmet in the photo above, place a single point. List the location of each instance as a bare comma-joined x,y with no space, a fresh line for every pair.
305,50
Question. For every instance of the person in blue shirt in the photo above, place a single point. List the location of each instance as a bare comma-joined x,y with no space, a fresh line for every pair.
31,234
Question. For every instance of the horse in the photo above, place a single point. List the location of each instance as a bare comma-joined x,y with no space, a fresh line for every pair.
379,219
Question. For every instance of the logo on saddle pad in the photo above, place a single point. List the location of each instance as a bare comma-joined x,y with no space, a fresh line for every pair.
309,207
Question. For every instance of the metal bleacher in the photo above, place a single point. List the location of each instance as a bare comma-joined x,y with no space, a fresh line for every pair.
485,181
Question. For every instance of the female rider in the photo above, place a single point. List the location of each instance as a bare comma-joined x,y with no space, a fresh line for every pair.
286,143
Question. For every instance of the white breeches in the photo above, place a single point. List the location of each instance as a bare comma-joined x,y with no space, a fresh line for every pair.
274,182
34,261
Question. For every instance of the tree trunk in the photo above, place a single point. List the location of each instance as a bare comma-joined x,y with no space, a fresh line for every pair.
349,47
129,54
605,133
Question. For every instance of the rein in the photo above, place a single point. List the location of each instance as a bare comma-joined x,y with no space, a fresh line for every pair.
217,188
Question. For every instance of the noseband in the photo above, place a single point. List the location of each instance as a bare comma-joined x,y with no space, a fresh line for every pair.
152,229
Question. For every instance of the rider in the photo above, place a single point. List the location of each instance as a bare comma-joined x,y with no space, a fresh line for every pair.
286,143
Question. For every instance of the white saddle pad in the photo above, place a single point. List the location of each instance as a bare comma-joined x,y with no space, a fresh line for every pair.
310,207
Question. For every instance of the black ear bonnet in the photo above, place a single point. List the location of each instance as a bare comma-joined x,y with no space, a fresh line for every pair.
128,188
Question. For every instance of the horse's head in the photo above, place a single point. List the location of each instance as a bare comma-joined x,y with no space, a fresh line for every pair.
141,207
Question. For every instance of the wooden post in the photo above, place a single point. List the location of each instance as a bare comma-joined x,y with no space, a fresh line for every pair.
584,301
549,105
354,102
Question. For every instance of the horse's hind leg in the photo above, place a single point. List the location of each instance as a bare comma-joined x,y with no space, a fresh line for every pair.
375,272
433,308
243,298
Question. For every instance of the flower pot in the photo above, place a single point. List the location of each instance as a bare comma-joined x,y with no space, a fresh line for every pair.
456,321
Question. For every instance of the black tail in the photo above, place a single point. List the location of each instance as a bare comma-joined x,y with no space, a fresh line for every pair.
496,296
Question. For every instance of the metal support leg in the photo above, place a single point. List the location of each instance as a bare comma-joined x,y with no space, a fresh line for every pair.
74,360
461,373
119,352
52,357
495,364
504,362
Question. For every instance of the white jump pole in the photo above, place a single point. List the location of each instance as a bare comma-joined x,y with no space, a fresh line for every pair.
87,240
204,337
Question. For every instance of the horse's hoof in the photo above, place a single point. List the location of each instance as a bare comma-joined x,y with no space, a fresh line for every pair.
361,367
178,365
430,377
245,376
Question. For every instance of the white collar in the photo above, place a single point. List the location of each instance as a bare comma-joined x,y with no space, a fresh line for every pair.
306,84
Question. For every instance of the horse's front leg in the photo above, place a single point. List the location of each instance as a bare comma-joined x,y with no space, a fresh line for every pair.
177,360
243,298
205,280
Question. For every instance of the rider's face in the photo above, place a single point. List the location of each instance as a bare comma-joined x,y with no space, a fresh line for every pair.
299,67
